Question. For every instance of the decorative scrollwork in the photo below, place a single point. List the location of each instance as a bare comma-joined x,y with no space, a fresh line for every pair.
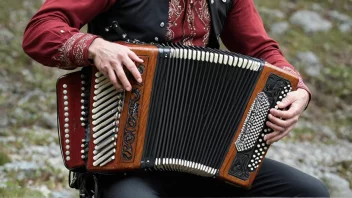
273,88
127,150
239,166
131,124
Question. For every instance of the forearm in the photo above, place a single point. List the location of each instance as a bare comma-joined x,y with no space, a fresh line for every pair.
53,38
244,33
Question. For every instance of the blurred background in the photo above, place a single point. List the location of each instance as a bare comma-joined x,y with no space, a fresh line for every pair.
314,35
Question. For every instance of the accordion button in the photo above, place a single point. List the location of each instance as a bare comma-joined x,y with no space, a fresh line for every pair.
67,152
67,146
162,24
68,158
64,86
224,1
212,1
156,39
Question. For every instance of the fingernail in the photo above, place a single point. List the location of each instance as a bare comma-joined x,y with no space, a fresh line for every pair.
265,137
268,142
139,80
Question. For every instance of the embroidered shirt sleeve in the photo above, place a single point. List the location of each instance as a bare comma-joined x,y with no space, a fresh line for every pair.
74,52
52,36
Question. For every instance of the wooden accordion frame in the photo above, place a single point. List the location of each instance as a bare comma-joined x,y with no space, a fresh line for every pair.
198,110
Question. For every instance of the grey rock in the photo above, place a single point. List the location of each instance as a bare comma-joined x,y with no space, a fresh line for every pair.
346,132
63,194
7,139
279,28
4,120
339,185
310,21
316,7
5,35
21,166
346,27
49,120
336,15
272,12
311,63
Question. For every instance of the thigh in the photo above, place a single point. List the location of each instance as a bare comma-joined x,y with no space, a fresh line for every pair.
278,179
274,179
129,186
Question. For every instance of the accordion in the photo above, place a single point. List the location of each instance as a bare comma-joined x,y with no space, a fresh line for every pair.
198,110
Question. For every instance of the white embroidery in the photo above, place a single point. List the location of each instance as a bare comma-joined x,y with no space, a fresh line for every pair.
64,52
194,9
175,11
78,50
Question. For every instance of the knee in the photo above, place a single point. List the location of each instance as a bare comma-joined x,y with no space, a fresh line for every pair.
130,188
313,188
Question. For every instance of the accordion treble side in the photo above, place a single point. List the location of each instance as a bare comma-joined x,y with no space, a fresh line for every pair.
198,110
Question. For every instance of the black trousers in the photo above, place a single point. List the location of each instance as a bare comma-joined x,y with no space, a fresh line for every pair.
274,179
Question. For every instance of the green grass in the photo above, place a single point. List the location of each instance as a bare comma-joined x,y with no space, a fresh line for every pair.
4,158
13,190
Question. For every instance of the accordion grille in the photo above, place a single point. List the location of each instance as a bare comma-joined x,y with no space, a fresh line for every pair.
197,102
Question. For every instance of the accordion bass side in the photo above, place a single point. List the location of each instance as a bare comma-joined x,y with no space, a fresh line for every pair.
198,110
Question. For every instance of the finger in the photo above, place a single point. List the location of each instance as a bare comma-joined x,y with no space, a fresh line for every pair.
103,67
279,136
271,135
129,64
275,127
280,122
287,101
113,79
122,76
287,114
134,57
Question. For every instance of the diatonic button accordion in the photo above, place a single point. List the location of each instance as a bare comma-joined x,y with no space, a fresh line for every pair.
198,110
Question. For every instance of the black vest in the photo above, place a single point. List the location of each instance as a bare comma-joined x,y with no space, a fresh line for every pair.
147,20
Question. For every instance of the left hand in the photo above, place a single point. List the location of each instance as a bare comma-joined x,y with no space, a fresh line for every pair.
283,121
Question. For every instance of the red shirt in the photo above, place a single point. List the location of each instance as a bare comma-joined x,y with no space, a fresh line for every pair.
53,36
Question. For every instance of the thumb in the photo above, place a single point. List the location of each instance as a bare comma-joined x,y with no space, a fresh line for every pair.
287,101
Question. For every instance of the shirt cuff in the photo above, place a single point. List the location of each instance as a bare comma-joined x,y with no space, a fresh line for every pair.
74,52
301,84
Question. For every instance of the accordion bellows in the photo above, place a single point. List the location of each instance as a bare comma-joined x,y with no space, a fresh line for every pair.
198,110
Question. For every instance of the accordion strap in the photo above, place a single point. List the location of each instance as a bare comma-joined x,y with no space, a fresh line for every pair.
84,183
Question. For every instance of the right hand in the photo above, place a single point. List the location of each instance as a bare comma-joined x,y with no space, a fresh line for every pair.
109,58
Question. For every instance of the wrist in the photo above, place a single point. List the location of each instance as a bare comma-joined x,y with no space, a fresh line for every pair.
304,95
93,47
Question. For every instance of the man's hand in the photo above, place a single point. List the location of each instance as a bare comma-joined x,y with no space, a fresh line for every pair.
109,58
283,121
